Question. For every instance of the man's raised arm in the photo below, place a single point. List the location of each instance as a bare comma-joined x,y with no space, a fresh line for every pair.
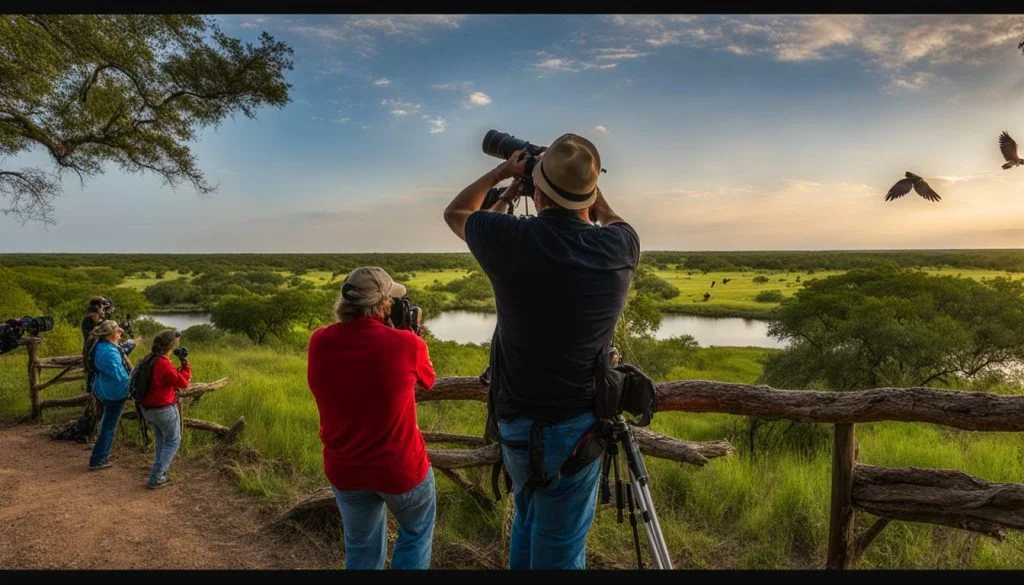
472,197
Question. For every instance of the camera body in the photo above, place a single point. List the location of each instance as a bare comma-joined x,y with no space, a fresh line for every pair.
405,315
181,353
12,330
502,145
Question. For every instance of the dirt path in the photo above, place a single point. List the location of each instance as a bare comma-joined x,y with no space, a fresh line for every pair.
54,513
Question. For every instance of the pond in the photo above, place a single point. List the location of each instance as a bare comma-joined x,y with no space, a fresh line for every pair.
477,327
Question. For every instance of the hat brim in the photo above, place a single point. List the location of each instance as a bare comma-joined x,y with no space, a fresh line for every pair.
543,184
397,290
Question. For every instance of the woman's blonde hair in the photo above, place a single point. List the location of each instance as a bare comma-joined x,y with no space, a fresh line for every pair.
345,312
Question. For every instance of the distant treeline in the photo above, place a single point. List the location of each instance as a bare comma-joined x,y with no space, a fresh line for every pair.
129,264
1011,260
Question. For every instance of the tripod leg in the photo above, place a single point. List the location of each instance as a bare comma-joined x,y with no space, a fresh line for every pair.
638,471
632,522
618,489
658,537
605,494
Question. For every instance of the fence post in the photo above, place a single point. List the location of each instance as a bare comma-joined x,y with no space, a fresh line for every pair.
840,529
33,378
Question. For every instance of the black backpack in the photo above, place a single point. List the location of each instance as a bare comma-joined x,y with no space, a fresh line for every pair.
141,377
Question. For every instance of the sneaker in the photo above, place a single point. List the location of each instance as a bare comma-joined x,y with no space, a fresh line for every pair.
159,483
103,465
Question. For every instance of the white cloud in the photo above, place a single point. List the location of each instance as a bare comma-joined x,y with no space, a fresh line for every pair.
890,42
601,129
383,81
453,86
362,32
253,22
619,54
478,98
437,124
914,82
340,120
401,108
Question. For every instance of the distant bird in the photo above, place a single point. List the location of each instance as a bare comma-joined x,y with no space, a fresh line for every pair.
725,281
902,187
712,284
707,296
1009,149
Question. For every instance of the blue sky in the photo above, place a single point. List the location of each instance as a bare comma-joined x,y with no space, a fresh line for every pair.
718,132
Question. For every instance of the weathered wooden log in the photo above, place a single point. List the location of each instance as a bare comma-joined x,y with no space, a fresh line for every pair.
965,410
840,525
61,361
221,431
474,491
194,391
318,503
656,444
225,434
70,374
866,539
450,438
62,402
33,381
976,411
939,496
462,458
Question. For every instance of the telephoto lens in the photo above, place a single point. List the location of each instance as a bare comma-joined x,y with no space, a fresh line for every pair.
502,145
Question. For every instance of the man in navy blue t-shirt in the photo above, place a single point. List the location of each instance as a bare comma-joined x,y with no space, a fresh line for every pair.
560,283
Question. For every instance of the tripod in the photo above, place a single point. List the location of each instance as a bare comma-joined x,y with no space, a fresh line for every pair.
621,435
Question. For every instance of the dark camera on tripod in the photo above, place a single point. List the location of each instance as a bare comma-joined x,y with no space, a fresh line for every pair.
12,330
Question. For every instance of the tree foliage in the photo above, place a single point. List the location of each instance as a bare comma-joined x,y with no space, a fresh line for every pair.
893,327
127,89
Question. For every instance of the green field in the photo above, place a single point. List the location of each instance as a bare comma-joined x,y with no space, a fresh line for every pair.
140,283
736,298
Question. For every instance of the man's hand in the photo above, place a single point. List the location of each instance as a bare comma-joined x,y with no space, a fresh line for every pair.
508,198
471,199
513,167
601,212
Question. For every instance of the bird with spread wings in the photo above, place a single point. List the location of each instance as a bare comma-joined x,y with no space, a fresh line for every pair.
1008,146
903,186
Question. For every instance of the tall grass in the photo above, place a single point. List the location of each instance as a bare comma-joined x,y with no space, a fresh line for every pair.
735,512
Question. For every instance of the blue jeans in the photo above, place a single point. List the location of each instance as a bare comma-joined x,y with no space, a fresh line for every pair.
105,436
167,432
364,523
550,527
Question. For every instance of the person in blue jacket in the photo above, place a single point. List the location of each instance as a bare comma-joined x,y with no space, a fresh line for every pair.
109,386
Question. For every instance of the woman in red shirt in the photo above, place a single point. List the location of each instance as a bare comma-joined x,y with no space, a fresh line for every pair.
159,404
363,374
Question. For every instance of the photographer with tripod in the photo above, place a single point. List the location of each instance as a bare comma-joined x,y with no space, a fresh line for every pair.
158,400
560,283
363,371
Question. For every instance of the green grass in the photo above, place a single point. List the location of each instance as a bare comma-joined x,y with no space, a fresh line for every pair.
151,279
735,512
736,298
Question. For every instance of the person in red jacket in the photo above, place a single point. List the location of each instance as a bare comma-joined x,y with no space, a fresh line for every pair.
159,405
363,375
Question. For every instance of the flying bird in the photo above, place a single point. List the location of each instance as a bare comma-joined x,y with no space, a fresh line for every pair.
1008,147
712,284
902,187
